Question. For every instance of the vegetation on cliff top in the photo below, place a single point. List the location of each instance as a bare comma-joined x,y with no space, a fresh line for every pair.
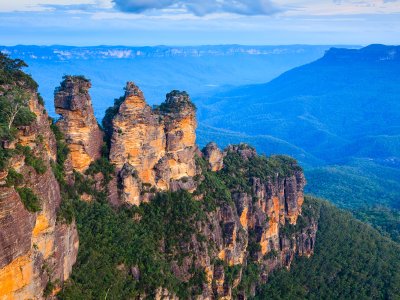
14,97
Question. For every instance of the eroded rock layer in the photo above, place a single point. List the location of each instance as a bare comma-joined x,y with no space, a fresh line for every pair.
155,146
78,123
255,229
35,248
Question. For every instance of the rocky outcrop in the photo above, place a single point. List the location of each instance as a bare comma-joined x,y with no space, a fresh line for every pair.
250,213
78,123
157,145
260,227
35,248
214,156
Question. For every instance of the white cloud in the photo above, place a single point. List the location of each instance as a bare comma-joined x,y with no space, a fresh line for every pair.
43,5
341,7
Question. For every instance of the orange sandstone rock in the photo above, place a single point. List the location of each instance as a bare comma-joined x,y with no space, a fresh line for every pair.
158,144
31,241
78,123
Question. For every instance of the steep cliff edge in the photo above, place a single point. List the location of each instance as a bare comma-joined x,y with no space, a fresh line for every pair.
204,225
153,148
36,250
78,123
222,241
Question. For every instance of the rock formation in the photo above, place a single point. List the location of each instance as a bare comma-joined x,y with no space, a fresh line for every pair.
157,146
255,228
253,218
78,123
214,156
35,248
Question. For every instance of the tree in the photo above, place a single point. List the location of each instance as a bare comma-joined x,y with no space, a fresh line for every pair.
14,111
16,100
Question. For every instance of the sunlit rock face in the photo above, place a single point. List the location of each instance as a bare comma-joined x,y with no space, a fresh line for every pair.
34,247
259,227
214,156
78,123
158,144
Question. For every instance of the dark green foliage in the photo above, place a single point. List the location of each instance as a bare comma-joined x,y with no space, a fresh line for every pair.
238,172
102,165
40,99
232,273
76,78
15,86
351,261
50,286
31,160
14,178
215,192
29,199
171,107
5,154
250,276
132,237
385,220
14,112
370,190
108,117
11,73
66,211
359,183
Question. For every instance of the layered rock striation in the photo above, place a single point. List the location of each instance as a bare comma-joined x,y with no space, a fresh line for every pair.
35,249
78,123
259,228
153,148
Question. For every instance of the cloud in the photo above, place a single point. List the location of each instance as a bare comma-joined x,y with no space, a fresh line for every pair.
201,7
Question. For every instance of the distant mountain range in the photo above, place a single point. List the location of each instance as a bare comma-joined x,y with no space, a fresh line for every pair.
344,105
60,52
158,70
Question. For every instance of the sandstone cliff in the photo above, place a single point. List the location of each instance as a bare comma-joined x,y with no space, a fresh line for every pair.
35,249
258,228
243,213
78,123
153,148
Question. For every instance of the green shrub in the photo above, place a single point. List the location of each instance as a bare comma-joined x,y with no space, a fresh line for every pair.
102,165
40,99
14,178
29,199
5,154
66,212
35,162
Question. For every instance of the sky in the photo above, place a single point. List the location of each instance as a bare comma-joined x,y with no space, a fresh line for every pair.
199,22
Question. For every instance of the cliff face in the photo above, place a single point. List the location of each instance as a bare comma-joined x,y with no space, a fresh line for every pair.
260,227
35,249
243,213
153,148
78,123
